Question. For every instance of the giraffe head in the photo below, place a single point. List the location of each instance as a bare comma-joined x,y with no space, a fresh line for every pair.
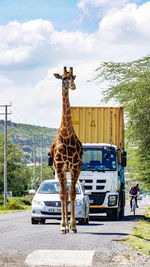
67,79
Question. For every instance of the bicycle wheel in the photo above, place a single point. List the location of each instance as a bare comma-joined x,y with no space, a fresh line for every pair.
134,207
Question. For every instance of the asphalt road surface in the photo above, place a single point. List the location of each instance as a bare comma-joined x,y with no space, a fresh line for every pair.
96,244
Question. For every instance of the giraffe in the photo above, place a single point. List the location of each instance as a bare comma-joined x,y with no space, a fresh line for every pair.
66,151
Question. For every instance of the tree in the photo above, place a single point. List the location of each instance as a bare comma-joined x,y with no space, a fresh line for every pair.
18,175
48,173
129,85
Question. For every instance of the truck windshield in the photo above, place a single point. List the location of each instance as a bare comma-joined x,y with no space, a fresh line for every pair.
99,159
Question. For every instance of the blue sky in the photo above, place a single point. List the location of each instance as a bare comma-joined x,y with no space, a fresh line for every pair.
64,14
39,37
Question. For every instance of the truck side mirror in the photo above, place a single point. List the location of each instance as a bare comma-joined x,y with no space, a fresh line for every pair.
50,160
123,159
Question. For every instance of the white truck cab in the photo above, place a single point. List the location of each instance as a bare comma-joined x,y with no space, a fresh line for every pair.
102,175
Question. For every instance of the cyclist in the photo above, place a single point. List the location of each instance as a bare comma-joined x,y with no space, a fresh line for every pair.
134,192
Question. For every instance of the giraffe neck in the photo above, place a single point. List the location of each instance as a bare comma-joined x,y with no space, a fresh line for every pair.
66,123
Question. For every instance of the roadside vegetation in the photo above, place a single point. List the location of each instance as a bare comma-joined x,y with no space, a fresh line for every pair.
128,84
15,204
23,135
20,177
139,240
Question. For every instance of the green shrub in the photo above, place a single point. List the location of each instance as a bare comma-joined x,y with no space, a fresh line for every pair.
26,201
14,205
1,202
22,200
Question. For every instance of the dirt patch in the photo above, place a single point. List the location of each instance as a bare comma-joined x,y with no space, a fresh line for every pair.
117,254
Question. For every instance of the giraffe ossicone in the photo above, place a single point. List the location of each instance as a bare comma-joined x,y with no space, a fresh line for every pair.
66,151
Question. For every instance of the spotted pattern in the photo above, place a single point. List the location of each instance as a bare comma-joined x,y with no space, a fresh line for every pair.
66,151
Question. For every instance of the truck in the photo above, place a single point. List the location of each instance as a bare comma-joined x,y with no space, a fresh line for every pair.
101,131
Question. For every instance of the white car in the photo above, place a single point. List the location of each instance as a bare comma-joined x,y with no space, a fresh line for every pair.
46,203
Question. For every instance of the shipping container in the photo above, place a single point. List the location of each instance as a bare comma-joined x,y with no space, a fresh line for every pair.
99,125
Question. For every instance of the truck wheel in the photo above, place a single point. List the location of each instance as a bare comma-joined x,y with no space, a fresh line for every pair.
113,215
122,204
121,213
33,221
87,220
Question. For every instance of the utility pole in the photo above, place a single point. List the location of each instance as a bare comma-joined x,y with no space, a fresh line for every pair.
5,150
41,158
34,163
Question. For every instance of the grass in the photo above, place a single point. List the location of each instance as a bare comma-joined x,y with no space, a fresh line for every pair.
139,240
16,204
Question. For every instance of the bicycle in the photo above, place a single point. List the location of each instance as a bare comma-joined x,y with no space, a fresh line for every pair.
133,204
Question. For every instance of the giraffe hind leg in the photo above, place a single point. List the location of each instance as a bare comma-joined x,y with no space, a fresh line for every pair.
74,178
66,209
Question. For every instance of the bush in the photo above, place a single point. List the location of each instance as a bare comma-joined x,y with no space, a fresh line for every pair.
22,200
26,201
14,205
1,202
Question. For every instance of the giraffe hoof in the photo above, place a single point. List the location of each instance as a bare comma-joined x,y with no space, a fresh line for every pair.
67,230
63,231
73,231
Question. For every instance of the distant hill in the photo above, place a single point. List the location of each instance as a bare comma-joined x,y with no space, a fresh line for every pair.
23,135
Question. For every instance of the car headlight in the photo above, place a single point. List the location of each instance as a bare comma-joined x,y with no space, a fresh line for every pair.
112,200
78,202
37,203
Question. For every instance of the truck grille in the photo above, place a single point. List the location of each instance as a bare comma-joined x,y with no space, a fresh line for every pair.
101,181
86,181
88,187
98,198
99,187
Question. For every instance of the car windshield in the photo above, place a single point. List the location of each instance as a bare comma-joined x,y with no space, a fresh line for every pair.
53,188
99,159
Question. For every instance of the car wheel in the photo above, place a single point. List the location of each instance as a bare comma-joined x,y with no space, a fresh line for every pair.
33,221
42,221
82,221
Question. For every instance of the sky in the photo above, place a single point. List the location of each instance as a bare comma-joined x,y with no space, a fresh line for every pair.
39,37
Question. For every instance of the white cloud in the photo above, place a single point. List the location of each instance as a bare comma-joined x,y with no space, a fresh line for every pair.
123,34
23,42
100,8
129,25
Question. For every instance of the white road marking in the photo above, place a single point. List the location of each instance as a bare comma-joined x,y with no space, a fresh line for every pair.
65,258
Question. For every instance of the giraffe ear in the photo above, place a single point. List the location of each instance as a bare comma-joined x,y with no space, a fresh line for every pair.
74,76
57,76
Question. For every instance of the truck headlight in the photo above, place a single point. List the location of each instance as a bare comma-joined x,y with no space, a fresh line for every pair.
78,202
112,200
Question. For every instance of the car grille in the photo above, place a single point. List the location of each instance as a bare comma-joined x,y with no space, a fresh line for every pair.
53,203
98,198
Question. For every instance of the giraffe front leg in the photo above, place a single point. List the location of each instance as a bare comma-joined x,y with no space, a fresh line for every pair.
63,223
72,199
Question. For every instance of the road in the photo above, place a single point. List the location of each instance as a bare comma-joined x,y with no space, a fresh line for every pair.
19,238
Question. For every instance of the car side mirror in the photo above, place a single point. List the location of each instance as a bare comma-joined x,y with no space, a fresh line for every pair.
87,192
32,192
123,159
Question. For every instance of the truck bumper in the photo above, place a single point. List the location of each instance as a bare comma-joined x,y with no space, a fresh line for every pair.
100,202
